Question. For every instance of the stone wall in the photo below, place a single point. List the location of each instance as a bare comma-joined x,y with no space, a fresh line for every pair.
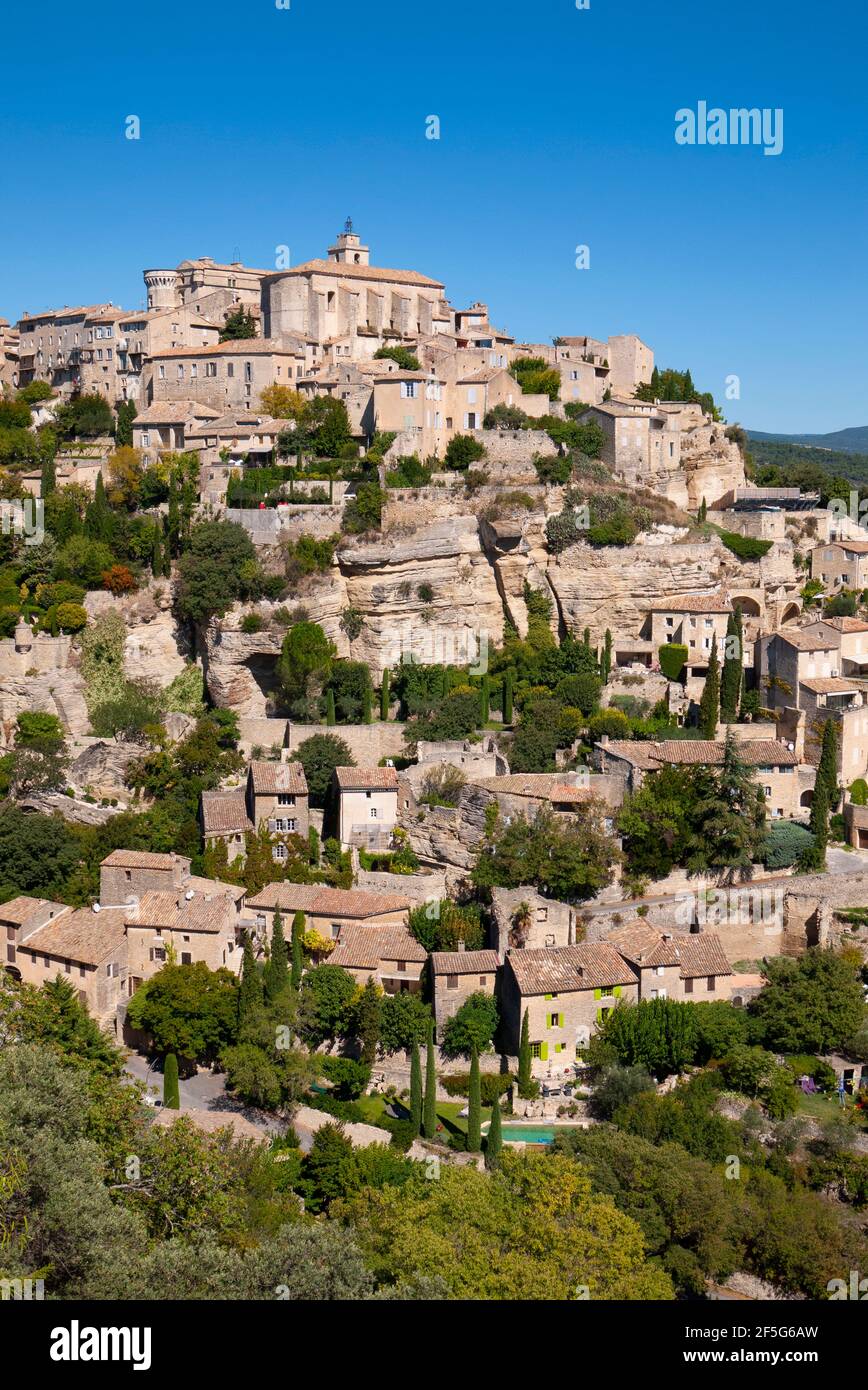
368,743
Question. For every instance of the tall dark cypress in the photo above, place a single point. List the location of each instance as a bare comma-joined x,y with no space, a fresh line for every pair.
525,1059
827,771
171,1088
297,949
416,1089
494,1139
250,988
277,971
429,1113
733,669
474,1108
709,704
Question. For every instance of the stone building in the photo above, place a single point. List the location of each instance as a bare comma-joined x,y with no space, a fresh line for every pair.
775,766
188,925
329,911
565,991
165,427
51,343
667,966
842,565
391,956
89,949
367,805
345,296
225,376
19,919
455,975
8,356
128,873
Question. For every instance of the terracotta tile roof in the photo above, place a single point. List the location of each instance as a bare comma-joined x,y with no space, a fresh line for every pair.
562,791
364,948
537,784
644,945
174,911
847,624
174,413
569,969
83,936
249,346
20,910
692,603
140,859
358,272
831,685
213,887
807,640
464,962
225,811
271,778
852,547
327,902
67,313
362,779
702,954
633,751
760,752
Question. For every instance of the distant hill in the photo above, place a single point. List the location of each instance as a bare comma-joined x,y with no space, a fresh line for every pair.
803,465
853,440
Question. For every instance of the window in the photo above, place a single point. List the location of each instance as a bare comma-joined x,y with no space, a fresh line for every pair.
483,980
451,981
161,372
712,984
280,852
536,1049
194,370
688,986
128,875
401,966
607,991
230,368
285,799
186,958
409,390
374,813
210,368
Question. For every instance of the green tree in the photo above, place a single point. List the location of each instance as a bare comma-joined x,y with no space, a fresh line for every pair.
729,819
814,857
827,770
732,677
484,701
429,1111
812,1004
304,667
369,1012
325,999
472,1027
508,690
474,1109
48,482
384,695
525,1057
217,568
606,661
276,969
171,1089
99,522
404,1022
658,1034
462,450
709,705
319,755
494,1139
297,950
187,1009
250,993
570,861
416,1089
238,326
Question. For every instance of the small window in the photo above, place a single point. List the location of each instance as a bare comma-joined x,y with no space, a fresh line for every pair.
712,984
688,986
451,981
186,958
402,967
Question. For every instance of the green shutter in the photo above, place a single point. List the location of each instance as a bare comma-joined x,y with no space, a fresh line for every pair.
617,991
544,1051
597,993
600,1013
549,996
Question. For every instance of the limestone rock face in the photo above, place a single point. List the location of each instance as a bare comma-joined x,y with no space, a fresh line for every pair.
60,693
101,769
156,647
450,835
71,808
430,591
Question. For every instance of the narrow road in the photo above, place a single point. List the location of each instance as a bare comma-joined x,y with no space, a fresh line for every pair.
204,1091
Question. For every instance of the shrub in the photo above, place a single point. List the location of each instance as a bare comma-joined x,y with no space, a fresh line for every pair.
252,622
553,468
785,844
745,547
118,580
673,656
493,1085
71,617
462,450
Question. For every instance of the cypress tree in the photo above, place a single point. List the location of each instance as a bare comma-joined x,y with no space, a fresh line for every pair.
276,971
484,701
49,481
474,1109
703,510
369,1014
367,712
494,1141
827,770
157,555
173,519
508,687
98,520
586,638
606,660
313,846
819,825
416,1089
297,952
524,1056
171,1089
385,695
731,680
429,1112
250,988
709,705
331,718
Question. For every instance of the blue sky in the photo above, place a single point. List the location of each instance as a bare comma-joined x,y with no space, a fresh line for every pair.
262,127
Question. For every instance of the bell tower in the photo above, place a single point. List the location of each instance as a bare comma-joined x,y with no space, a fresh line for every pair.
348,249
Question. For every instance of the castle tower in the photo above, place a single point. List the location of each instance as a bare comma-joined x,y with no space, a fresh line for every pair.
349,249
161,286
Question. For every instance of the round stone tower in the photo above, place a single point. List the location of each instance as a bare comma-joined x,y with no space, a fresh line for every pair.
162,288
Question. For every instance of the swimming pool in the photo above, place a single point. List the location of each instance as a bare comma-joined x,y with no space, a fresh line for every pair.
528,1134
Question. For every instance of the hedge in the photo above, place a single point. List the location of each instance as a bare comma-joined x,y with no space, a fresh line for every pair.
493,1085
784,844
672,655
745,547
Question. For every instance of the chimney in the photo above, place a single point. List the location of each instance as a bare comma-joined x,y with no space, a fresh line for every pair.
461,946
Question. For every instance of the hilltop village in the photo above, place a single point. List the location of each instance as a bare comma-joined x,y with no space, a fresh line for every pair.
419,746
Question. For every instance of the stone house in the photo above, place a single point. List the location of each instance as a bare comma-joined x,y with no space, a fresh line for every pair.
225,376
192,925
368,805
89,948
455,975
390,955
19,919
696,621
668,966
565,991
163,427
50,345
143,334
277,795
328,911
130,873
546,923
841,565
819,670
775,765
224,816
